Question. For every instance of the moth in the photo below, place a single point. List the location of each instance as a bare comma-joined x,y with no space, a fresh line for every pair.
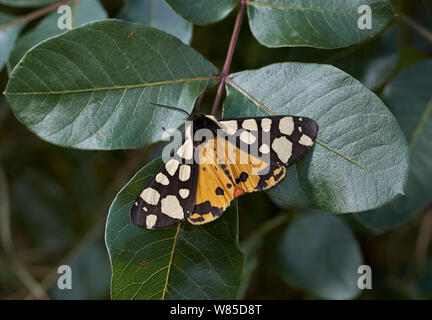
205,173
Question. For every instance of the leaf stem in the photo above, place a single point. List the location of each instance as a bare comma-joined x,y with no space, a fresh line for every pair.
424,238
230,53
35,14
427,34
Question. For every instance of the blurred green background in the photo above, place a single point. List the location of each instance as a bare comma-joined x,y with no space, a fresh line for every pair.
54,201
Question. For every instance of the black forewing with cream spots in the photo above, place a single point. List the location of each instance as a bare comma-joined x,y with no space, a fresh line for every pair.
280,139
169,197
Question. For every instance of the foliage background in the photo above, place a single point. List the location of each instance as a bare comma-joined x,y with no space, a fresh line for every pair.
57,199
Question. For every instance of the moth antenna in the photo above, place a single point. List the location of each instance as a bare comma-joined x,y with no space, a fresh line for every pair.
170,107
201,96
167,131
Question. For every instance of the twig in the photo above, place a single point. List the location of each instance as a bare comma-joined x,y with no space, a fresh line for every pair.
5,232
7,243
424,239
98,228
427,34
95,231
230,53
251,243
35,14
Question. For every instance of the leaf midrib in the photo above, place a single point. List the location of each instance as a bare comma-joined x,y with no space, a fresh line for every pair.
170,261
133,86
324,145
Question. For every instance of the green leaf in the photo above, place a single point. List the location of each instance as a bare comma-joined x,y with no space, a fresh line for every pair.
92,87
319,23
372,62
83,12
318,253
158,14
9,31
26,3
203,11
359,161
184,262
409,97
250,265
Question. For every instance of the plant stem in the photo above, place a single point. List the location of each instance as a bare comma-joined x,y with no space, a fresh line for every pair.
424,238
16,265
253,241
427,34
35,14
228,59
97,230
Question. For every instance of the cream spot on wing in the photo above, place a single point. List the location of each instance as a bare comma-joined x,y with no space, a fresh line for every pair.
171,166
145,209
211,117
300,129
162,179
150,195
184,193
283,148
186,150
170,206
264,148
247,137
250,124
266,124
136,203
255,161
151,221
229,126
305,140
286,125
188,133
184,172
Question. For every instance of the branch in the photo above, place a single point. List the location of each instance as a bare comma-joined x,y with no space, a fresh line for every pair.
427,34
423,239
35,14
7,243
253,241
97,229
228,59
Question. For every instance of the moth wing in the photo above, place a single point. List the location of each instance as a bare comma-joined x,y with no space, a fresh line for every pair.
280,139
223,177
169,197
267,143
